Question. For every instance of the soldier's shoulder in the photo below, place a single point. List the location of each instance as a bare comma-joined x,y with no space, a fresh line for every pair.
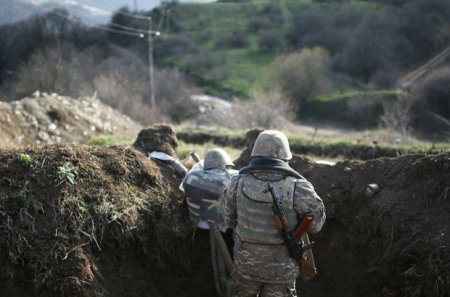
303,184
198,172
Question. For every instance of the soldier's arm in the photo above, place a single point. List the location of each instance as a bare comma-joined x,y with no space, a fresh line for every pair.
306,201
229,203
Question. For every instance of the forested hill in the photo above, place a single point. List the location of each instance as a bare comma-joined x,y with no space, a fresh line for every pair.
335,61
230,46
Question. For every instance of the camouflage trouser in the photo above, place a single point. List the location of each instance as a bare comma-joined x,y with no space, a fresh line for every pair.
242,287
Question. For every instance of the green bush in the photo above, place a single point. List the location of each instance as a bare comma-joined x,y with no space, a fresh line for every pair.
302,75
110,140
270,40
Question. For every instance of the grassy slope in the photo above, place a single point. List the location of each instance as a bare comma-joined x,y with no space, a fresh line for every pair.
247,66
239,70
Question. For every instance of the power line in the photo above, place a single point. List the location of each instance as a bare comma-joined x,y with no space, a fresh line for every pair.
137,16
131,28
148,18
141,35
131,31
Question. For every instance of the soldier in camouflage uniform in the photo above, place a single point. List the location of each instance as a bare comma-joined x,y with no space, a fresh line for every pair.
203,188
262,265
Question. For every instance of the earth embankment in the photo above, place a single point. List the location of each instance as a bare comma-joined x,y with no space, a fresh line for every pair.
87,221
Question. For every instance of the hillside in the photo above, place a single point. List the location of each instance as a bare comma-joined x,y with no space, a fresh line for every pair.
319,62
229,47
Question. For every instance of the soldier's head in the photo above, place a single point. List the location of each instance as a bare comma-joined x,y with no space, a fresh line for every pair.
272,144
217,159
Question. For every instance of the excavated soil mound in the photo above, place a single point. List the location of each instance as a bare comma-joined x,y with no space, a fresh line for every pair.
53,119
87,221
391,241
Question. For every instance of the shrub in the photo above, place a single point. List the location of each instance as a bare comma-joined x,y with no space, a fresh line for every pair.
121,81
173,97
397,115
369,50
236,38
302,75
265,110
365,43
201,62
274,12
117,92
269,40
59,68
174,46
259,23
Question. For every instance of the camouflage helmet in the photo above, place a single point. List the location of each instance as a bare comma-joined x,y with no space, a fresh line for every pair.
217,158
272,144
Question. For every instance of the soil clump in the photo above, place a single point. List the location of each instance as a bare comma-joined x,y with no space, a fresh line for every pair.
159,137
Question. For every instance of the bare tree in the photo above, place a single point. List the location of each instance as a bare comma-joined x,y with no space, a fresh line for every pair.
397,114
265,110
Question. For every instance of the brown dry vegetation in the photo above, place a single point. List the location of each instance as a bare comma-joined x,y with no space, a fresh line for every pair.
120,231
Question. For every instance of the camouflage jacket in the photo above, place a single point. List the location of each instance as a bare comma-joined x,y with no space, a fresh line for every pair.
267,260
203,190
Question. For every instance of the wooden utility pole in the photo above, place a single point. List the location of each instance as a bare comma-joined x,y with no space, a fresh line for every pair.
150,63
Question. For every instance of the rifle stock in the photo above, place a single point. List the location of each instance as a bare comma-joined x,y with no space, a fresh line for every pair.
302,251
304,225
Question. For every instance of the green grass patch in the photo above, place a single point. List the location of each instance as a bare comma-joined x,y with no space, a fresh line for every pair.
316,148
358,94
354,108
25,159
110,140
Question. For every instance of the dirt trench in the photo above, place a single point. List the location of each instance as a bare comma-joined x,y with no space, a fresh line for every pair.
391,242
87,221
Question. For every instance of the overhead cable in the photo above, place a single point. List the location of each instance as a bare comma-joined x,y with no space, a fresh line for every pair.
130,31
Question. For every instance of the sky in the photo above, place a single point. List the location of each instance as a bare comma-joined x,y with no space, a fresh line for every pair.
112,4
91,12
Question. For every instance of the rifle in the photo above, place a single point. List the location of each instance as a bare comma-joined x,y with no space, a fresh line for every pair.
297,241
